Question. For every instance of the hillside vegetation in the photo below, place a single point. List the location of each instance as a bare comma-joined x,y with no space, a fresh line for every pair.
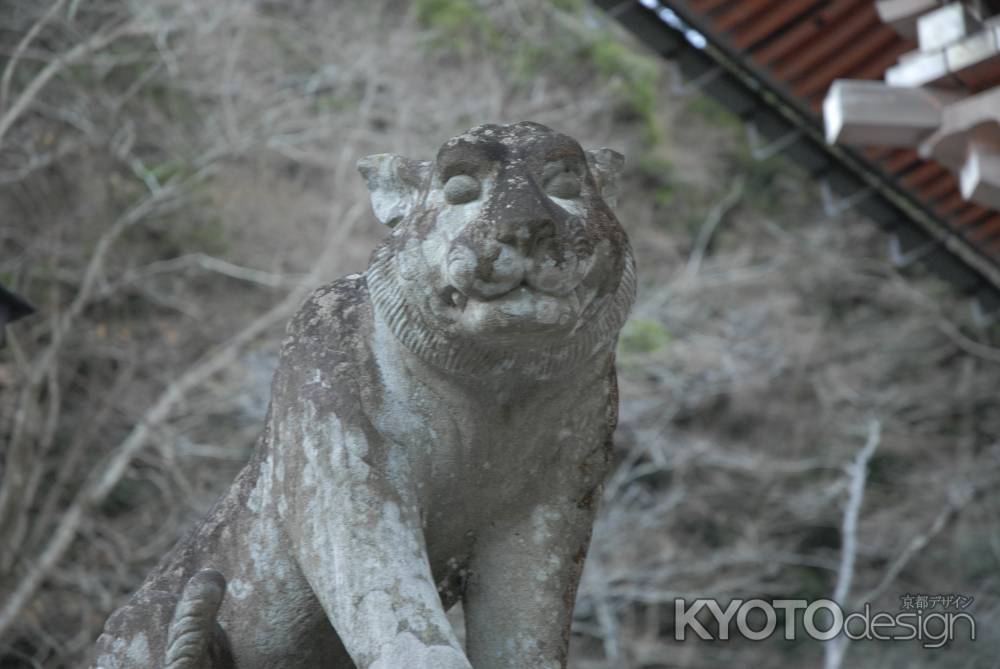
799,419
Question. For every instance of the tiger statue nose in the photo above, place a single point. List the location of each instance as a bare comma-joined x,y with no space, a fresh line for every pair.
490,269
525,234
485,266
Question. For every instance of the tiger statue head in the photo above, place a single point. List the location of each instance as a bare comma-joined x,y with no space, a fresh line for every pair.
505,256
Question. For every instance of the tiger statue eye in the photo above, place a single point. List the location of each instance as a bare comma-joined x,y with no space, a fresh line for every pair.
565,185
462,188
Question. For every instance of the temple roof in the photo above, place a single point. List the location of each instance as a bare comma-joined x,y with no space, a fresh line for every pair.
772,63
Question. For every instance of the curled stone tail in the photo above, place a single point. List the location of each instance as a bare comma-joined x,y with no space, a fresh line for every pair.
193,623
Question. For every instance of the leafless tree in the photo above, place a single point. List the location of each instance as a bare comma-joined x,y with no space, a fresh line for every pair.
176,174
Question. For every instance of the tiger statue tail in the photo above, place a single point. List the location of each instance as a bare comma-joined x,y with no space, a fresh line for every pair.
193,623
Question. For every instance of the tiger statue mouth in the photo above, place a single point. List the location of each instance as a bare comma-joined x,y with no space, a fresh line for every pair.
504,251
522,307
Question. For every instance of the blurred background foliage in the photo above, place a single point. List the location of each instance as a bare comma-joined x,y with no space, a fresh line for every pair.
175,176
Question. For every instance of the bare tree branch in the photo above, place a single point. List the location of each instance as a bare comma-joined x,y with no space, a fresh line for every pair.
916,544
74,55
834,650
707,231
107,475
29,37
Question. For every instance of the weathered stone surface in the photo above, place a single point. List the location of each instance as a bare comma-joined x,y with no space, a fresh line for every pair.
439,430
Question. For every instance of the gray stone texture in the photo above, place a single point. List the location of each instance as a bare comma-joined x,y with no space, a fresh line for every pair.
439,430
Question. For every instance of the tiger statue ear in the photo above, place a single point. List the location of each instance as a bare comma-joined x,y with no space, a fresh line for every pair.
397,185
605,165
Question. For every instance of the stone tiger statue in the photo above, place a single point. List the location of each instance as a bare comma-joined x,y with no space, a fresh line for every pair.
439,430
